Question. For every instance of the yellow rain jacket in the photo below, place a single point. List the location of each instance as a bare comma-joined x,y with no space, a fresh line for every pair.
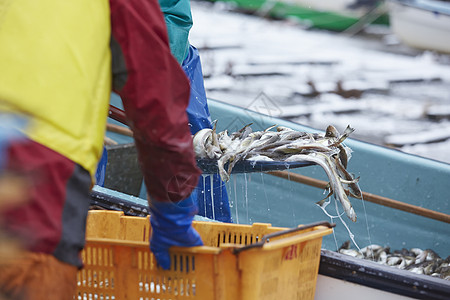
55,68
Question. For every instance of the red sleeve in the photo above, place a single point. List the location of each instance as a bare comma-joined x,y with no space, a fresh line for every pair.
155,95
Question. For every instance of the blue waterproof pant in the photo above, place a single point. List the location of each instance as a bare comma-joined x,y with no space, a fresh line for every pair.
211,196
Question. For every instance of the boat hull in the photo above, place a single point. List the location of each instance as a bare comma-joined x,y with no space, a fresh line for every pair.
361,279
421,24
328,287
329,15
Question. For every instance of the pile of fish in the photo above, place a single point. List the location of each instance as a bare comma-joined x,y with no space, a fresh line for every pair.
415,260
284,145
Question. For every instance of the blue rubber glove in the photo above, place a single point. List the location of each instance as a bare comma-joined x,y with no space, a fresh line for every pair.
172,226
100,174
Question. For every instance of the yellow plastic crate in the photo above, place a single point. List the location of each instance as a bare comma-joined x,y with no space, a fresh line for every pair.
235,263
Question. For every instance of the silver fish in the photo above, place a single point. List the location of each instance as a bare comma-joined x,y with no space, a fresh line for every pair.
287,145
204,146
335,183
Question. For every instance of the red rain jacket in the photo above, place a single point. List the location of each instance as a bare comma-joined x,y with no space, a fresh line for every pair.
155,94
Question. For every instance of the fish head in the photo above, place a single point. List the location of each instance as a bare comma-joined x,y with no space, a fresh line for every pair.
331,132
199,141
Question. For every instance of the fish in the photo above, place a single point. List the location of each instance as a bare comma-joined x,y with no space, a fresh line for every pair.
335,182
415,260
199,141
242,133
353,186
351,252
332,132
206,143
280,143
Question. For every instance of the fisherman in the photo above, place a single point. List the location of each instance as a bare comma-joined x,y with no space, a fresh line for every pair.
178,17
56,70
